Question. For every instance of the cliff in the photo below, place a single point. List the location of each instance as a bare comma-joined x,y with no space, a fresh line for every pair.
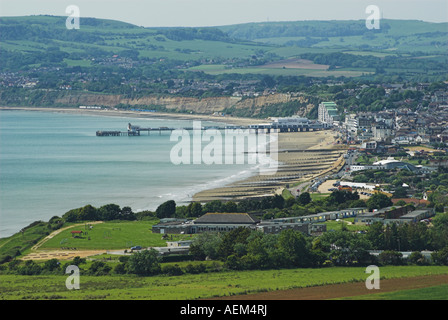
250,106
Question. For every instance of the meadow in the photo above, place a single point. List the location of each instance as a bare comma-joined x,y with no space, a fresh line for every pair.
199,286
110,235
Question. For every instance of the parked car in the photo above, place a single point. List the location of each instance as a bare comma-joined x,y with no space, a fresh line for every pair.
136,248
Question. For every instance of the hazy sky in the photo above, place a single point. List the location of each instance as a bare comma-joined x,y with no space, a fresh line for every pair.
161,13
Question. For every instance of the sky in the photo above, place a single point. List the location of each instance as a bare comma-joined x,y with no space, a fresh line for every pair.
196,13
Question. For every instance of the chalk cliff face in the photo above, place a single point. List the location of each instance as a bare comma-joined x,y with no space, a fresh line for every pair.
183,104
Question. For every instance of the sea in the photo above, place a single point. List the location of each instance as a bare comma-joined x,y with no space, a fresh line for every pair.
52,162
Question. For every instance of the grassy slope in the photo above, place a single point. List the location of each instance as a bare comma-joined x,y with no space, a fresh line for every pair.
403,36
110,235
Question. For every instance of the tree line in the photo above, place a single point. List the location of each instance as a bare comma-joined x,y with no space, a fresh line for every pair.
269,207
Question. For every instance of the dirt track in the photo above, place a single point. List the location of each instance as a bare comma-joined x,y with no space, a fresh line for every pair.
344,290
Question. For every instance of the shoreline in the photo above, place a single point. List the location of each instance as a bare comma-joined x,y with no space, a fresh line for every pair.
301,155
140,114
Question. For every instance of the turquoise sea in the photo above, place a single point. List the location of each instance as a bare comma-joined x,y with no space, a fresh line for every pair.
53,162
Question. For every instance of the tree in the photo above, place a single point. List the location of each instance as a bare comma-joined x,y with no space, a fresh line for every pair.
400,192
109,212
378,201
230,207
51,265
293,246
194,209
30,268
166,209
99,268
375,235
304,198
238,235
440,257
439,231
213,206
206,245
144,263
390,257
278,201
127,213
417,258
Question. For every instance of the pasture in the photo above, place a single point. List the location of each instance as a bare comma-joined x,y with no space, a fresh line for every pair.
109,235
199,286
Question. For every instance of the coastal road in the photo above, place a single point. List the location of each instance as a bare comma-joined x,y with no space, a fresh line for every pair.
300,187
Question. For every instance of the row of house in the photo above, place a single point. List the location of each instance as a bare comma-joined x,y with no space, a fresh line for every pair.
224,222
309,224
399,127
395,215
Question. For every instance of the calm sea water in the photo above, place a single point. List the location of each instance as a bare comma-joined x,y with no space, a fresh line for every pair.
53,162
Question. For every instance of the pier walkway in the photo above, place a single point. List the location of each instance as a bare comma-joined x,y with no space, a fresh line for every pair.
256,128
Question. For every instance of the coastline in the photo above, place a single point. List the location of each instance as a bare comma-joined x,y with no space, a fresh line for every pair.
301,155
140,114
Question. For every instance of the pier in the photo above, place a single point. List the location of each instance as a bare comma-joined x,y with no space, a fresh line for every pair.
273,127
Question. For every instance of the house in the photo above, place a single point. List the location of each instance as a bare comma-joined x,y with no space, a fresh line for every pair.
417,215
210,222
277,227
179,244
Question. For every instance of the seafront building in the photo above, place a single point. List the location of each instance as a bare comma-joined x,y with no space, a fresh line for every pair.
328,113
310,224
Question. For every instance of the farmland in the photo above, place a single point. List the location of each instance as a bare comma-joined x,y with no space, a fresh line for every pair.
202,286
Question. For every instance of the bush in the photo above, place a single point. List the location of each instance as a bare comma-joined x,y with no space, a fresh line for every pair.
172,270
99,268
390,257
30,268
195,269
120,268
417,258
144,263
441,257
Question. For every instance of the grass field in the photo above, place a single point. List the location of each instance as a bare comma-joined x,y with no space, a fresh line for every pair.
187,287
279,71
430,293
111,235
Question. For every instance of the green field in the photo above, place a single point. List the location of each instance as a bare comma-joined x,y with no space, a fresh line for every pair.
187,287
221,69
430,293
111,235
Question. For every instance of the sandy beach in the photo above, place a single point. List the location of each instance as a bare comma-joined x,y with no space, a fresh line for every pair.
301,155
138,114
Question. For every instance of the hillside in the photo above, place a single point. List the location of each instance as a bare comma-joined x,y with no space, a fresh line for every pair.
42,63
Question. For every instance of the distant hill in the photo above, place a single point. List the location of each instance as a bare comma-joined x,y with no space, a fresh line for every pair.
395,35
348,48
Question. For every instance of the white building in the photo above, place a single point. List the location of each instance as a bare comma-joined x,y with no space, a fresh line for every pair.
351,123
328,113
294,120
